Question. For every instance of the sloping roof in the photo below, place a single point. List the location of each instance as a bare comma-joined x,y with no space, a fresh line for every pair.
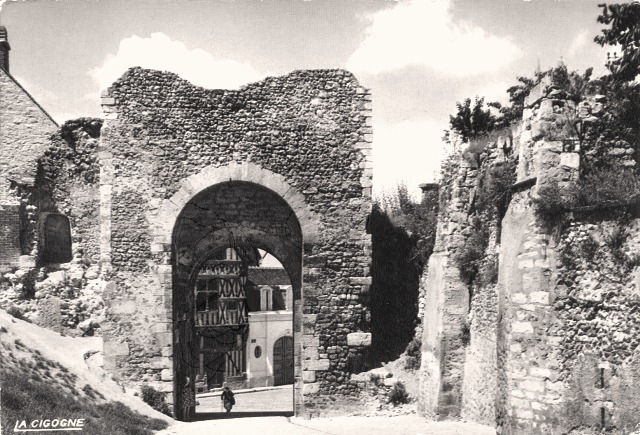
17,83
268,276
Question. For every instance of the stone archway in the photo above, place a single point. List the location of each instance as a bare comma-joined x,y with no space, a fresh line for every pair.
304,137
268,214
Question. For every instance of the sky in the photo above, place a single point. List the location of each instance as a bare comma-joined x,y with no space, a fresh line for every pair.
418,57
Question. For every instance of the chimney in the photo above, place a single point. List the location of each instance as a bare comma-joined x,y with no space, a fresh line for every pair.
4,49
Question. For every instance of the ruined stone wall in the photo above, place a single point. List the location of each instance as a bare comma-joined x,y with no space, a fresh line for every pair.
597,305
310,130
459,358
37,178
551,347
64,296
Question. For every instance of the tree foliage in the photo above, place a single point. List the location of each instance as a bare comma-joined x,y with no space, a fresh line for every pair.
623,31
471,121
419,219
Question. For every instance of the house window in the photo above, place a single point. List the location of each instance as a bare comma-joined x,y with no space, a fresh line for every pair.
57,239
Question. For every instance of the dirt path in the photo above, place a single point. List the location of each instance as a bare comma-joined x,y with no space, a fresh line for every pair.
404,425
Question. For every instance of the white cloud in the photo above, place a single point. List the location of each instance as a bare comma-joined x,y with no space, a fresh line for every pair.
423,33
494,92
162,53
578,42
409,152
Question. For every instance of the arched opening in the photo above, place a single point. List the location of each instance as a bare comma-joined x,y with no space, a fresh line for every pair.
228,309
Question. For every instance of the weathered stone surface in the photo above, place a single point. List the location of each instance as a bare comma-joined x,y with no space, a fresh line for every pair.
308,376
316,365
359,339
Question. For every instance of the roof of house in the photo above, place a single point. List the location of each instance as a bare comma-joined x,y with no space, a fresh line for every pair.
268,276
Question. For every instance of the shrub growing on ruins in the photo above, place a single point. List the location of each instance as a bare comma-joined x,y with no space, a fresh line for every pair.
413,354
489,271
155,399
551,203
398,394
608,186
495,187
418,218
469,257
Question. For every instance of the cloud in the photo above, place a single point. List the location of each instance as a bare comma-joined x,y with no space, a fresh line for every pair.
578,42
423,33
407,151
162,53
494,92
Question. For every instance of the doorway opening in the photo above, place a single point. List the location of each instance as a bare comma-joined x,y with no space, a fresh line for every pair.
244,334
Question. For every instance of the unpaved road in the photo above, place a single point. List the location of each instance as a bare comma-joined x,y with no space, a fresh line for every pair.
402,425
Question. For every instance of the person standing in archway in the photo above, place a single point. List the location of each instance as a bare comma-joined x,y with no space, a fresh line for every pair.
227,397
188,400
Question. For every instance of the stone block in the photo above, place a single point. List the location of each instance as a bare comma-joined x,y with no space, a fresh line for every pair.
538,406
357,280
532,386
524,414
161,327
163,338
161,363
166,387
316,365
310,341
517,393
539,298
26,262
124,307
570,160
540,372
455,309
157,248
114,349
312,388
109,362
522,328
308,376
166,375
359,339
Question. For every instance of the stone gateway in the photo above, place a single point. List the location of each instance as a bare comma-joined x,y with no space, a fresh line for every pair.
174,175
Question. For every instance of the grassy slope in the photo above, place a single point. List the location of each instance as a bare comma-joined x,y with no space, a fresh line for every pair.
45,375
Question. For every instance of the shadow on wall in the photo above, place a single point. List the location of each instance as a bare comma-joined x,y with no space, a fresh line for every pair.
396,268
